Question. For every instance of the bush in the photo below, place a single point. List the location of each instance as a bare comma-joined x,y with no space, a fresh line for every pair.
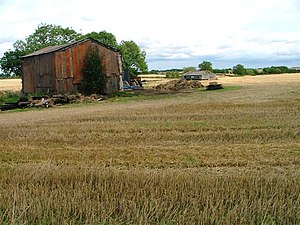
94,77
9,97
250,72
172,74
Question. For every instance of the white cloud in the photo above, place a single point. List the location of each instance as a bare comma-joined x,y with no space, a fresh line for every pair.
170,30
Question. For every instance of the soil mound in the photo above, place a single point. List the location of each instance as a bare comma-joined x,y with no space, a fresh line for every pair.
177,85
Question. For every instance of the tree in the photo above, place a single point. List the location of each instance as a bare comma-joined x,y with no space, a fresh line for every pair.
239,69
104,37
133,58
205,65
10,63
250,72
45,35
188,69
94,78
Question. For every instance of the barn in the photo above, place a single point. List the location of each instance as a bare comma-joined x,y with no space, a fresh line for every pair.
58,69
199,75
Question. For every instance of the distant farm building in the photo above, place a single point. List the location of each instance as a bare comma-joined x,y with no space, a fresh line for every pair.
58,69
199,75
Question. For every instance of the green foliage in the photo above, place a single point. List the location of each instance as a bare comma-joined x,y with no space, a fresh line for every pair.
205,65
153,72
188,69
134,59
9,97
4,75
172,74
94,78
45,35
219,71
250,72
10,63
276,70
239,69
104,37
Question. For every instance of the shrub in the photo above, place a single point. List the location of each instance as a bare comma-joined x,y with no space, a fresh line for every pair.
172,74
9,97
94,78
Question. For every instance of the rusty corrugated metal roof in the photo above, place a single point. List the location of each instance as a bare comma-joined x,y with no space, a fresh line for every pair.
46,50
50,49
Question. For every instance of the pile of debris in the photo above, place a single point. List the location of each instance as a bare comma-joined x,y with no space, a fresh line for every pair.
177,85
46,102
213,86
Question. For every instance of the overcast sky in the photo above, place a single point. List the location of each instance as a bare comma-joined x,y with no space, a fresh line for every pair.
174,33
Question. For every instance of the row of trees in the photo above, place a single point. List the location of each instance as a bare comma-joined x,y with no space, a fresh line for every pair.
239,69
133,58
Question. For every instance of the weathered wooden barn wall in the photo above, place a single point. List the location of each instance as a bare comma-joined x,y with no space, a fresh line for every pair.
60,71
39,76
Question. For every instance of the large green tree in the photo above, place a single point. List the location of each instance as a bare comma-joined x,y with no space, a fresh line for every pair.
206,65
133,59
11,63
45,35
104,37
239,69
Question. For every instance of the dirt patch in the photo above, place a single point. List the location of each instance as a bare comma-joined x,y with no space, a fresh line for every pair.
177,85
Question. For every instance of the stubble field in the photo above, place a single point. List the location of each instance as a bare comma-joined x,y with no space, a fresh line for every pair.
10,84
221,157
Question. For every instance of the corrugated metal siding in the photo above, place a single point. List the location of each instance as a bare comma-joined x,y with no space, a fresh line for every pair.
58,74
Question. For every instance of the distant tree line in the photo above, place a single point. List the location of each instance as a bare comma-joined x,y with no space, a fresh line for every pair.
239,69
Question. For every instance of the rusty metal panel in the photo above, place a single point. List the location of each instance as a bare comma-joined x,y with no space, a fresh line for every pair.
58,74
63,64
71,63
83,48
67,62
78,54
75,64
57,65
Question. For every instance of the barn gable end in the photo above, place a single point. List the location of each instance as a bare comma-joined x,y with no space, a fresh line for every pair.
58,69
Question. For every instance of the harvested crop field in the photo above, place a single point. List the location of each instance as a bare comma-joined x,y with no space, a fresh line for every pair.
10,84
230,156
